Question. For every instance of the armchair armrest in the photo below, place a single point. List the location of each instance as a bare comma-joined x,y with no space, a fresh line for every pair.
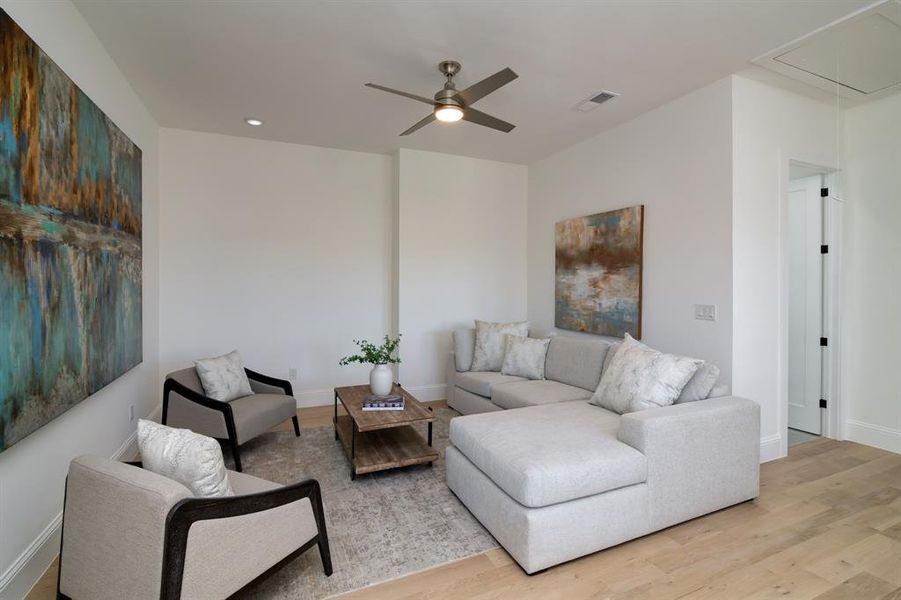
702,456
193,510
282,384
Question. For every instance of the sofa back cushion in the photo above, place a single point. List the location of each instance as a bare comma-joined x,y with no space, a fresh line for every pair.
576,360
464,345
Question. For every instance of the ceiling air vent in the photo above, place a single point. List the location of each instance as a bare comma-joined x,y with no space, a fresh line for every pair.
594,101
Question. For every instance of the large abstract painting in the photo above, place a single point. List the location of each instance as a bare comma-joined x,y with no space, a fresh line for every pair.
70,241
598,276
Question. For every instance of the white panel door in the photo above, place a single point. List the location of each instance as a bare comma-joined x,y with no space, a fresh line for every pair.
805,225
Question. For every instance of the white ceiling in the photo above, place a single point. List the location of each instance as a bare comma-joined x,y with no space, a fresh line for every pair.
301,65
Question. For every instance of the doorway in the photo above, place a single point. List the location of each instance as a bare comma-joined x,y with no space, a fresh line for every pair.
805,306
812,244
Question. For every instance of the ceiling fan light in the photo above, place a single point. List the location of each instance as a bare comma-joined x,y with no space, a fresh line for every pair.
449,114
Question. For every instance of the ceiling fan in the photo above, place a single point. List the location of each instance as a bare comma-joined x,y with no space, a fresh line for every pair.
450,105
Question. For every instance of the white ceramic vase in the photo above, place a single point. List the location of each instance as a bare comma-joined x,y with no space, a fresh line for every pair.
381,380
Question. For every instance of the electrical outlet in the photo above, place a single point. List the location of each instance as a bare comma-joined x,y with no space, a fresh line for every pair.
292,374
131,413
705,312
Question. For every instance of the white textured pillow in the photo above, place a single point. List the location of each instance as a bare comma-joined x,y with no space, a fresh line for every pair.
223,377
701,383
524,356
490,343
639,377
189,458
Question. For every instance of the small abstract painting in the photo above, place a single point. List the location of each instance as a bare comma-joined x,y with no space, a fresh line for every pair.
70,241
598,273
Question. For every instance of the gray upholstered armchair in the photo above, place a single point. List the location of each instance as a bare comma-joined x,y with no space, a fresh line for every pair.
240,420
131,533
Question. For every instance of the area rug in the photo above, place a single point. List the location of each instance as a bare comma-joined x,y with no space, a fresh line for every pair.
380,526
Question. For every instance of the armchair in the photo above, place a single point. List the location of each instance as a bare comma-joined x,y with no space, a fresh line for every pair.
131,533
185,405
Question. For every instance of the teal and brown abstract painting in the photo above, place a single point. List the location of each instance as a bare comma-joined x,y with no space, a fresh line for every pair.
70,241
598,273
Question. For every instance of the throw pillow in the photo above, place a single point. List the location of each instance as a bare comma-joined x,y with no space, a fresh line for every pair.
490,343
524,356
464,344
189,458
608,358
223,377
701,383
640,377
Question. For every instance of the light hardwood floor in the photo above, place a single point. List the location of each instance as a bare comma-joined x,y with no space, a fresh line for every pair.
827,525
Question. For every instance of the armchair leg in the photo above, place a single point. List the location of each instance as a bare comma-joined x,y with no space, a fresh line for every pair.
296,425
325,555
236,454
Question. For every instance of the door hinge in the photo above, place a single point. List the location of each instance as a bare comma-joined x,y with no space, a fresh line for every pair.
824,249
823,192
824,341
822,403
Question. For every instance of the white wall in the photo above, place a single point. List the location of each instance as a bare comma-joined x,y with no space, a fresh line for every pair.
461,255
32,472
771,126
281,251
675,160
871,324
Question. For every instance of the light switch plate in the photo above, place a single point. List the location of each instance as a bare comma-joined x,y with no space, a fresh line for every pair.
705,312
292,374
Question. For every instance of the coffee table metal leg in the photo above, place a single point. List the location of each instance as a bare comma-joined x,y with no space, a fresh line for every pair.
353,449
335,420
430,433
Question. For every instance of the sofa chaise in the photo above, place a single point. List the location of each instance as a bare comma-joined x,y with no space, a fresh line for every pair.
554,478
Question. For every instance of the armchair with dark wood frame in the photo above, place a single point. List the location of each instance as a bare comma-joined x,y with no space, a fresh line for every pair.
186,405
113,512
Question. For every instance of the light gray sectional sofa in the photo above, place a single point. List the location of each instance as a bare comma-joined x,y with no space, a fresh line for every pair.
556,478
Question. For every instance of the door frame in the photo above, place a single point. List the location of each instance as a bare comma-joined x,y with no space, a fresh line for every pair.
833,422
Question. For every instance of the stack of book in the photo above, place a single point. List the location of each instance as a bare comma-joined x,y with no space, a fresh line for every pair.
389,402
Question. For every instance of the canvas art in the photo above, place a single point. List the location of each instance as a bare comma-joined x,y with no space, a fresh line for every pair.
598,273
70,241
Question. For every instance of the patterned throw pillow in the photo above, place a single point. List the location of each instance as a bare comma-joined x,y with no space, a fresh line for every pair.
223,378
193,460
701,383
524,356
640,377
490,341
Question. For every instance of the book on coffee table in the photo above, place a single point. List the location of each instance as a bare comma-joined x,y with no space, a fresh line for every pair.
389,402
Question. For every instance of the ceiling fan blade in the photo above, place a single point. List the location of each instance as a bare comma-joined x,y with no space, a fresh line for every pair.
479,118
400,93
420,124
486,86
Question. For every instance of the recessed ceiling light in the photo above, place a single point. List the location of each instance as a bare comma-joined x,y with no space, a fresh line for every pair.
254,122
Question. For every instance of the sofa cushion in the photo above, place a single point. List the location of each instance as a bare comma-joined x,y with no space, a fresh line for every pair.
482,382
640,378
576,360
464,345
701,383
525,356
532,393
491,338
542,455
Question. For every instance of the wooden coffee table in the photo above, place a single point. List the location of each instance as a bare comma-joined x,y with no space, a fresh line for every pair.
382,439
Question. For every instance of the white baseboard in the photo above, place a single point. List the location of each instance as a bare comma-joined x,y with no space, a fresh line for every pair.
310,398
21,576
878,436
771,448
